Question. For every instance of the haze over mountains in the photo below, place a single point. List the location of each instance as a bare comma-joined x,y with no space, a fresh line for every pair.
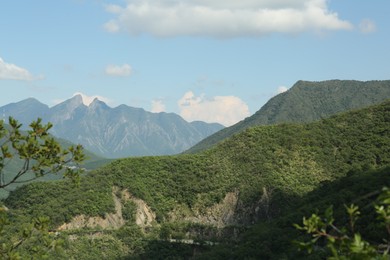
113,132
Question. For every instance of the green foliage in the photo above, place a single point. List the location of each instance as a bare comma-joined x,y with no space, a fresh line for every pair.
345,242
292,159
132,237
85,199
38,151
32,241
299,168
40,155
101,246
272,239
129,211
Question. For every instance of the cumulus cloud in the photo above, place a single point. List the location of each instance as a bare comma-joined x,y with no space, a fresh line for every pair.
367,26
87,100
223,18
158,106
11,71
119,70
281,89
226,110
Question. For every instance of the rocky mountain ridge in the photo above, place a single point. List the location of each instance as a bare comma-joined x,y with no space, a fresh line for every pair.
113,132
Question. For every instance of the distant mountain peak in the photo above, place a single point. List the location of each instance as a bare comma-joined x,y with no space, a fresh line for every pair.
65,109
30,101
88,100
114,132
96,103
75,100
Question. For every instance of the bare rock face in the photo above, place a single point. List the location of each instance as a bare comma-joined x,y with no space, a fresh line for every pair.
144,215
219,215
231,211
110,220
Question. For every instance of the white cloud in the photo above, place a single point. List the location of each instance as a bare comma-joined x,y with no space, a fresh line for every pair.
226,110
367,26
158,106
87,100
111,26
11,71
223,18
281,89
119,71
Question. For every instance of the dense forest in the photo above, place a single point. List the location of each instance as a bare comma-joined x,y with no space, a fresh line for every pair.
238,199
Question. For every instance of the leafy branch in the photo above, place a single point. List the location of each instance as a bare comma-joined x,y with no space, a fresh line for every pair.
38,152
346,242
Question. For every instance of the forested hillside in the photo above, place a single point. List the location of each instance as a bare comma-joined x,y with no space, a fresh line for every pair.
306,102
255,177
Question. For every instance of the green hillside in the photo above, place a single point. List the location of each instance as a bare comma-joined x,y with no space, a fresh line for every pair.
256,176
92,160
275,238
306,102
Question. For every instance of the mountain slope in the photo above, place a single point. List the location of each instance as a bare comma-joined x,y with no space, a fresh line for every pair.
254,177
305,102
114,132
25,109
291,160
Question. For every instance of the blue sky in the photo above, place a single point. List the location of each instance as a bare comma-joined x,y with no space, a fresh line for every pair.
217,61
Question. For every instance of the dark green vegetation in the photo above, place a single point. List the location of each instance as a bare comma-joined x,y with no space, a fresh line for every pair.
245,193
277,238
346,241
306,102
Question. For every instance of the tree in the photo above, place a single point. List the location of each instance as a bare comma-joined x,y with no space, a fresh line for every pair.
38,152
346,242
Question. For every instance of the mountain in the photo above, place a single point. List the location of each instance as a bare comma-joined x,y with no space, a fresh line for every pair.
114,132
233,201
305,102
25,110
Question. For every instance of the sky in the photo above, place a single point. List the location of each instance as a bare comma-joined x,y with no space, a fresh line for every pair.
210,60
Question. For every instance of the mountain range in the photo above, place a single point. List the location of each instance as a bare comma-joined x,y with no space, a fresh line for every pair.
237,200
307,101
113,132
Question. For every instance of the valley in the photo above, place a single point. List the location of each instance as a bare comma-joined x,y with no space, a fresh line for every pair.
235,195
